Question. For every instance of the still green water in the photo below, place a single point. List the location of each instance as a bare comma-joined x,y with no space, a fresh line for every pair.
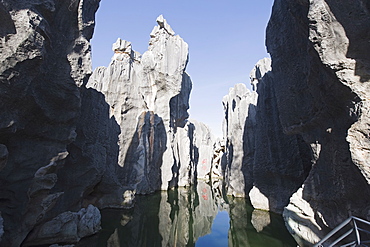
200,216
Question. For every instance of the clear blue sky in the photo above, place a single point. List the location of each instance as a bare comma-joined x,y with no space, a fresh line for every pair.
226,39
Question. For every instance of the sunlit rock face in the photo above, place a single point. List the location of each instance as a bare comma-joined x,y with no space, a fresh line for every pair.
320,63
148,97
44,58
238,129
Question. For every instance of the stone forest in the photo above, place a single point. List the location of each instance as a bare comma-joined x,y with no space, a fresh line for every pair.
76,144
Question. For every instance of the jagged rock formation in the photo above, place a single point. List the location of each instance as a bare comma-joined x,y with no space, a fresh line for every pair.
44,57
238,128
148,96
69,144
320,61
202,150
281,162
266,164
68,227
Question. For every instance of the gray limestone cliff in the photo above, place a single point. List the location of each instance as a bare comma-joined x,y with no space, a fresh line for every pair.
148,97
71,144
44,58
263,163
238,128
281,162
310,135
320,63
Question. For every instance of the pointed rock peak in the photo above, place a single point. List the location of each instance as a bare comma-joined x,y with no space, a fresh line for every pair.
262,67
162,24
122,46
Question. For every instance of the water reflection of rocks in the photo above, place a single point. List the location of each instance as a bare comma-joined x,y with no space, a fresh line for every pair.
180,217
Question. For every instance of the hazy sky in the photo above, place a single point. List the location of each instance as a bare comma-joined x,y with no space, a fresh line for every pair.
226,39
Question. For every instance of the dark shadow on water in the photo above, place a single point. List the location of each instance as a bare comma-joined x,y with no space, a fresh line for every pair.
195,216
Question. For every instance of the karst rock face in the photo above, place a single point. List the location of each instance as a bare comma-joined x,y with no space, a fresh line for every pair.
320,63
44,58
263,163
238,128
148,97
281,162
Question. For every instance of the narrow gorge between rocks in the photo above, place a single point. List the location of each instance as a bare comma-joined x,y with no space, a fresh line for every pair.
111,157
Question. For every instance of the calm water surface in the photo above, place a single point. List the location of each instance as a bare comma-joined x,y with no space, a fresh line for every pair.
200,216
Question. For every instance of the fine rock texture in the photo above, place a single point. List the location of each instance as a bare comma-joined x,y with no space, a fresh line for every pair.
1,226
44,57
281,162
238,127
3,156
202,149
68,227
320,61
261,160
148,97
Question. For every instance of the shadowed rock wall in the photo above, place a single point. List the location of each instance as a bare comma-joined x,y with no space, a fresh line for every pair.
281,162
320,64
44,58
262,162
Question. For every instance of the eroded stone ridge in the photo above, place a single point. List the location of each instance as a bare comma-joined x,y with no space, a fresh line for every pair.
44,58
148,96
262,162
321,82
238,128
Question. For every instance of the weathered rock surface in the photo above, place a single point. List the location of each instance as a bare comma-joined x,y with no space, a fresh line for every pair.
81,142
68,227
321,79
1,226
281,162
44,57
238,129
148,96
262,161
202,148
3,156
